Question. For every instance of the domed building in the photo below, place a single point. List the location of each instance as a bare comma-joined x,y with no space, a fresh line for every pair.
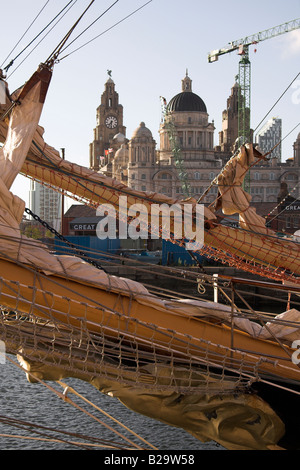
187,134
142,159
186,152
149,169
194,133
187,100
119,163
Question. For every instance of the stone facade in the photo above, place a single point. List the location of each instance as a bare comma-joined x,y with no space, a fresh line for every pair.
109,122
138,163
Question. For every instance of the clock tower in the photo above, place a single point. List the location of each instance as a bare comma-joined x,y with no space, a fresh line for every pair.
109,122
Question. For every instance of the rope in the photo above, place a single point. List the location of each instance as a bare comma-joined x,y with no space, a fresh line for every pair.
24,49
222,251
62,238
98,18
277,101
108,29
70,389
199,345
42,39
6,68
66,399
53,56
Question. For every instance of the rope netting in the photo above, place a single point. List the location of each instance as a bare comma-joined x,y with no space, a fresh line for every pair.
120,347
122,357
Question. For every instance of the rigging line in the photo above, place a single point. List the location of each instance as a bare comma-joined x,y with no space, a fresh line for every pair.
196,358
61,237
284,199
54,54
67,400
60,395
30,427
100,16
266,235
66,387
101,183
108,29
277,101
24,33
285,208
245,171
214,181
41,40
12,61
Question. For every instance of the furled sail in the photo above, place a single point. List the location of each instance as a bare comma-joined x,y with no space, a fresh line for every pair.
232,197
251,248
152,354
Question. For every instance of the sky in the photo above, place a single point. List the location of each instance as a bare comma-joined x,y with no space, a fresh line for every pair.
148,54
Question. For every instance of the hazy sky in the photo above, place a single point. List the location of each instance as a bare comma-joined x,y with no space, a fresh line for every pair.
148,54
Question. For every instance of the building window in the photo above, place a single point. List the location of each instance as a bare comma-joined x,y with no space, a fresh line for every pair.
291,177
197,175
133,176
272,190
256,176
257,190
272,176
143,176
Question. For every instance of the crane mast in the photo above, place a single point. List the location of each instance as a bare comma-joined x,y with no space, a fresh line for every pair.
244,76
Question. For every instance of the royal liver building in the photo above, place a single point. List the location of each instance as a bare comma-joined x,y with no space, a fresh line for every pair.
187,158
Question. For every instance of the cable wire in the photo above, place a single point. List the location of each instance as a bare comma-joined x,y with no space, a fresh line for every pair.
100,16
12,61
25,33
108,29
277,101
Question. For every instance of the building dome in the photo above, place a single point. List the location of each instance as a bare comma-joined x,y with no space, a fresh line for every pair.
119,138
187,100
121,153
142,131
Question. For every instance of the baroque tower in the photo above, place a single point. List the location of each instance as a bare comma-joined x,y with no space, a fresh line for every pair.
109,122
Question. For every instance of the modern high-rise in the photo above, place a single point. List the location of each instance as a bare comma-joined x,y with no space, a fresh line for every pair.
269,137
46,203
